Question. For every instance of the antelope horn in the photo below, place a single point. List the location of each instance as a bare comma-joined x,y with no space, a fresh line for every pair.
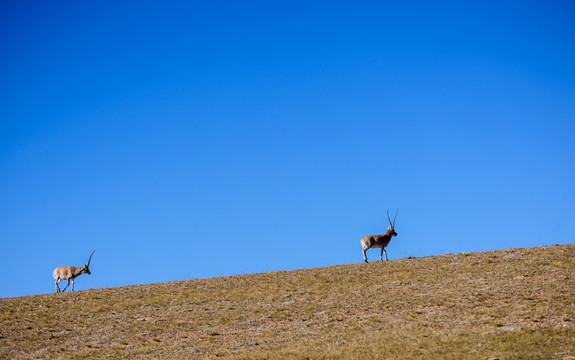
388,219
90,258
394,218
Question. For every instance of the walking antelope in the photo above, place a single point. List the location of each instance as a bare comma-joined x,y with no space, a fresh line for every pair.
70,273
381,240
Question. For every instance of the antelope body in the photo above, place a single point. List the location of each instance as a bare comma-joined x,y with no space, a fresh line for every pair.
70,273
380,240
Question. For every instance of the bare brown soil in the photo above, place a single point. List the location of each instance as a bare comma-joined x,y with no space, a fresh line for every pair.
516,303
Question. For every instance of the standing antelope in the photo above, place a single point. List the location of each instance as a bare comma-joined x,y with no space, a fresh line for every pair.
70,273
381,240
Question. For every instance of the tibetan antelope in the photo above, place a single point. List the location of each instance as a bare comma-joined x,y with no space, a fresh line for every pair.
381,240
70,273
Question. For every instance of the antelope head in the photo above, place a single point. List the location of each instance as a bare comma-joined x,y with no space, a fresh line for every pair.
86,267
391,228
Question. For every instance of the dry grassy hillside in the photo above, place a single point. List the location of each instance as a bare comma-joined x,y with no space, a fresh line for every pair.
516,303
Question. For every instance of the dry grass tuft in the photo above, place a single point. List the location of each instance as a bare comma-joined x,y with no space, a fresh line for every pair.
516,303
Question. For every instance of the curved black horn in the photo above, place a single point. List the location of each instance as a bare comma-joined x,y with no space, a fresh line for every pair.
90,257
388,219
394,218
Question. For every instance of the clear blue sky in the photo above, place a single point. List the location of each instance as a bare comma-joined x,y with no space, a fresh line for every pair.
197,139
